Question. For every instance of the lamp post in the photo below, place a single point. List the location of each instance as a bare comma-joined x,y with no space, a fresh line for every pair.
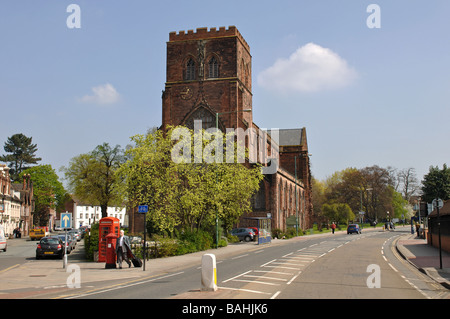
217,128
361,209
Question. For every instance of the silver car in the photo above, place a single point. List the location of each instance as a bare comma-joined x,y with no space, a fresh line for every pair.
246,234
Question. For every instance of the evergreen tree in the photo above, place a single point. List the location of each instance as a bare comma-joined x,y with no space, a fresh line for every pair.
22,154
436,184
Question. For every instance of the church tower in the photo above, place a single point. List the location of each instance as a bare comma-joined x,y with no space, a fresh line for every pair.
208,72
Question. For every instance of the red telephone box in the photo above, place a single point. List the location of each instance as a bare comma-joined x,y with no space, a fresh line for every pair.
107,225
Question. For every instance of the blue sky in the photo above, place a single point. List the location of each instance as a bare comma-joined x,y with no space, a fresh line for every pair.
367,96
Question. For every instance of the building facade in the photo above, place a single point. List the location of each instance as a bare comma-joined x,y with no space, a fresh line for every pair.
16,203
209,78
85,214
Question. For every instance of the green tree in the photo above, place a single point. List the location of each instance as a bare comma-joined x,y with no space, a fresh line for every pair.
436,184
22,154
49,193
338,212
186,194
399,205
92,177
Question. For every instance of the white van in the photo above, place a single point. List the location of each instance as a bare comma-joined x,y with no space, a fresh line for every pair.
3,244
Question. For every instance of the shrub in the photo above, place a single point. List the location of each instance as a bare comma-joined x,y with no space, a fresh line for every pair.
277,233
166,246
232,239
196,240
91,242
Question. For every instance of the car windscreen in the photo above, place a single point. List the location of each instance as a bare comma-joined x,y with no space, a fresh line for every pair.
50,241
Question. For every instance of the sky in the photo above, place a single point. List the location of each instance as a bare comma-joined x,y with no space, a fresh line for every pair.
369,80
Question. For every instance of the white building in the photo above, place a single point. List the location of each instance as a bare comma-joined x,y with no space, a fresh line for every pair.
84,214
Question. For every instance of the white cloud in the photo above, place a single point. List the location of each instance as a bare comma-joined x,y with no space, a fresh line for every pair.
102,94
311,68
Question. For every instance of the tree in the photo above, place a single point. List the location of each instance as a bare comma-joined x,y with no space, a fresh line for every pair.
399,205
338,212
370,189
92,177
436,184
185,194
22,154
48,192
404,181
318,195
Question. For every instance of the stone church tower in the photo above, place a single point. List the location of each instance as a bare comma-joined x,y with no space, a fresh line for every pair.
208,72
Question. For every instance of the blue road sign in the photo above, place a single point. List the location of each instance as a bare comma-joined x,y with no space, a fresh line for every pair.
66,220
142,208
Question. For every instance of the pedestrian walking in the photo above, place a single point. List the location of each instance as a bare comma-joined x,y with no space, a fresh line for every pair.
333,227
122,249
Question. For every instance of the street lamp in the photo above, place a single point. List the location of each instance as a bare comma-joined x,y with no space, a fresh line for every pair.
217,128
361,209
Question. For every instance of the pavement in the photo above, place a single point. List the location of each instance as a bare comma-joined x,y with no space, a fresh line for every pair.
38,278
425,258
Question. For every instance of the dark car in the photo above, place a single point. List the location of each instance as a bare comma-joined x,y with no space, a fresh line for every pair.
245,234
50,246
353,228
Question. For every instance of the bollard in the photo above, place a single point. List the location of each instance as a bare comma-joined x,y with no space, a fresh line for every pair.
209,273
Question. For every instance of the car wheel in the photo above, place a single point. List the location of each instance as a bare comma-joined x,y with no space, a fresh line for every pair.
5,248
247,238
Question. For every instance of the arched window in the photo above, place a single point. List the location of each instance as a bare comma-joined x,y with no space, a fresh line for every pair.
208,119
190,70
213,68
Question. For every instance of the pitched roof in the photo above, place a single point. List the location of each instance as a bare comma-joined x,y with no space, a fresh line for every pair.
445,210
290,137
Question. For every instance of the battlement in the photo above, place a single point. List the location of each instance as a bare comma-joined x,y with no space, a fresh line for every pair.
203,33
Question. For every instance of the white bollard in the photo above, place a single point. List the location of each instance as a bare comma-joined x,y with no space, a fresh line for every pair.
209,273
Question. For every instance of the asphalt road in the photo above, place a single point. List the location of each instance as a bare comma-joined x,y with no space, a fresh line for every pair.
342,266
339,266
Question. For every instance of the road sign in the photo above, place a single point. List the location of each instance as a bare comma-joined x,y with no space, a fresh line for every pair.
66,220
438,202
143,209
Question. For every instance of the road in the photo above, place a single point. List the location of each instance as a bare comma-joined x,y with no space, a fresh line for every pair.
341,266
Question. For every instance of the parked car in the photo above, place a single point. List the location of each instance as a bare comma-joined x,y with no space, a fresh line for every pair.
76,234
50,246
71,243
353,228
255,230
246,234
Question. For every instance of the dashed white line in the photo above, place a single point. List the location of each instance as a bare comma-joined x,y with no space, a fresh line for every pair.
232,278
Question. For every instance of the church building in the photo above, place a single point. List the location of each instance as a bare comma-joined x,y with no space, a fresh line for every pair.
209,75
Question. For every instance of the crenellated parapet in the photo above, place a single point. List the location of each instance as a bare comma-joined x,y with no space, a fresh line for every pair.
204,33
